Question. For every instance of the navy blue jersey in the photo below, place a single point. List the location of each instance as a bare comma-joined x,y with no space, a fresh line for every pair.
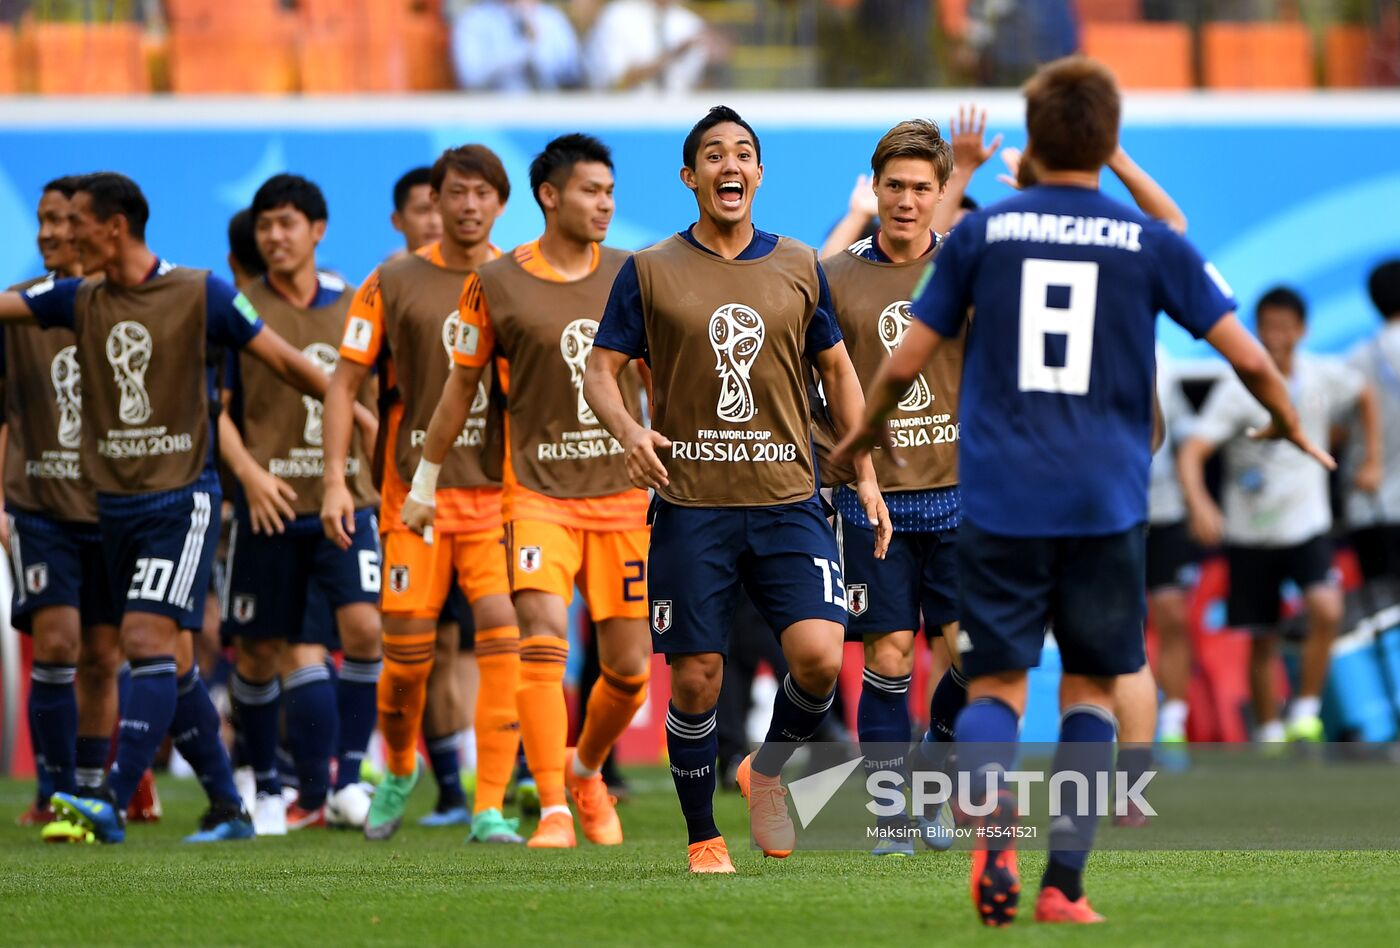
622,328
1064,285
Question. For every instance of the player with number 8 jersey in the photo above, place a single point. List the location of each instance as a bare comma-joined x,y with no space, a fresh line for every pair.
725,314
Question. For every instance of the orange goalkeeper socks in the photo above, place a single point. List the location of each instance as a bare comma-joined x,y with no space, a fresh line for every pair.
544,719
611,707
403,691
497,721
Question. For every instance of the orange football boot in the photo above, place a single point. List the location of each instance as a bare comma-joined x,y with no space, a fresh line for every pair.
768,812
711,856
145,802
597,809
1054,906
555,831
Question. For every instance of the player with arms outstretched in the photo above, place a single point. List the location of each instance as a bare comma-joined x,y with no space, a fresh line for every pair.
570,512
148,333
1057,424
725,314
404,318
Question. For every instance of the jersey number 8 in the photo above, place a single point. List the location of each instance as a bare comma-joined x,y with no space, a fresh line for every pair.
1074,321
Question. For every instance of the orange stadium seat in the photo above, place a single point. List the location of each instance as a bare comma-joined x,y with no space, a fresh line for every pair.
326,59
952,15
88,59
9,62
1257,56
248,59
1109,11
1347,56
1142,55
425,40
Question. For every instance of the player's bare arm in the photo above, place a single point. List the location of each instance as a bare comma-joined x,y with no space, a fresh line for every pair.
269,497
338,506
859,213
890,384
1203,516
1147,194
847,405
448,418
971,150
639,444
1159,422
14,309
1259,374
1368,411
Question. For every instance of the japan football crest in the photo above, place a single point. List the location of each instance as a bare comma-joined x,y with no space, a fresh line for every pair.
398,578
36,578
857,599
530,559
244,608
660,615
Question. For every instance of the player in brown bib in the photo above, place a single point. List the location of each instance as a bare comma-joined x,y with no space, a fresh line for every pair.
916,583
61,594
726,314
144,334
281,633
571,513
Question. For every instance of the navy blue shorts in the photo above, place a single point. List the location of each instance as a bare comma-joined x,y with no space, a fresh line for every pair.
785,557
58,563
1089,589
269,578
457,609
917,578
161,557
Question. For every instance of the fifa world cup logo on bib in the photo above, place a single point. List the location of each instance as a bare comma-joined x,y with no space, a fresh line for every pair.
324,357
451,330
736,335
575,342
894,322
68,394
129,349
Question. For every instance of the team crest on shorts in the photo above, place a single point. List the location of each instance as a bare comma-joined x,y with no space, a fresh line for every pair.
398,578
857,599
245,606
36,578
530,558
660,615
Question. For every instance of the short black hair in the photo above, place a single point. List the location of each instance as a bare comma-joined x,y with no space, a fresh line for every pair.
1283,297
242,245
66,185
410,179
292,189
559,157
716,116
1384,284
969,203
114,193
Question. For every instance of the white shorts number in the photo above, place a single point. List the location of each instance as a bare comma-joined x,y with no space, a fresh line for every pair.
833,586
1075,322
369,571
151,579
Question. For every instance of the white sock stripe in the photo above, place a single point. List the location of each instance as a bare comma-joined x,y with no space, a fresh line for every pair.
157,668
190,555
958,676
894,686
188,682
305,676
53,674
365,673
690,731
449,742
819,707
1102,713
248,692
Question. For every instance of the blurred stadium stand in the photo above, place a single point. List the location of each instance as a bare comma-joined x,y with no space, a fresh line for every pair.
285,47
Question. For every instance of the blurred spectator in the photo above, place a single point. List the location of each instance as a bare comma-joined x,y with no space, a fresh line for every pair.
1008,39
1374,517
415,212
515,46
648,44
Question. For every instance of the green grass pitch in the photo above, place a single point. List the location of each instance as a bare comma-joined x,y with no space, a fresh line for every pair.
330,889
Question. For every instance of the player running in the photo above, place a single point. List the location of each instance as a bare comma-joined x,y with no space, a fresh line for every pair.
1057,407
725,314
147,340
277,550
871,285
404,319
61,597
570,511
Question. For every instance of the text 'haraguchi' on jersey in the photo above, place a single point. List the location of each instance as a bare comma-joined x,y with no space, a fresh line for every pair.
420,328
282,428
141,352
544,329
1056,399
871,299
726,339
43,409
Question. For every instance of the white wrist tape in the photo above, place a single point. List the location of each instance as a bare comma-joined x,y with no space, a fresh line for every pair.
424,488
